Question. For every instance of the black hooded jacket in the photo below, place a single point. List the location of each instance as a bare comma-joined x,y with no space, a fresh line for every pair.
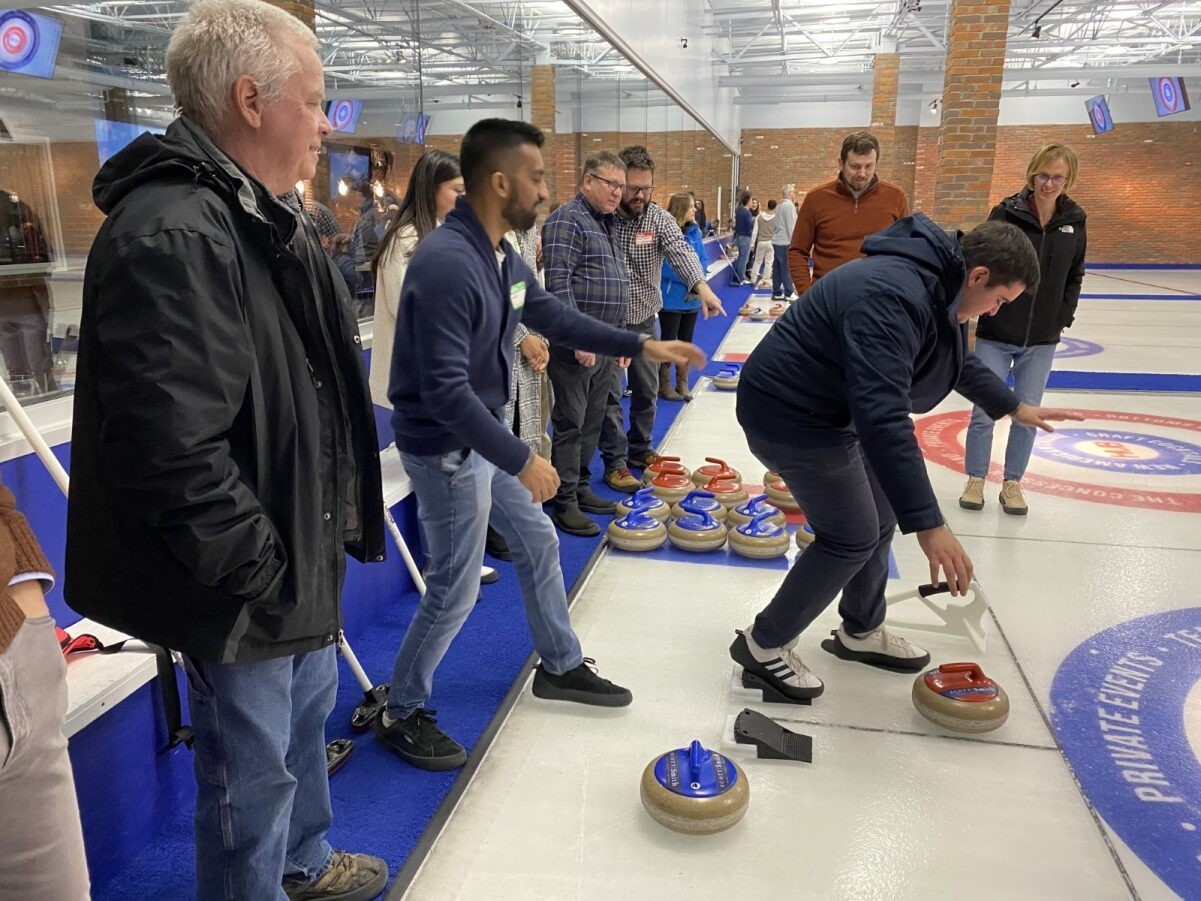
870,343
1061,247
223,452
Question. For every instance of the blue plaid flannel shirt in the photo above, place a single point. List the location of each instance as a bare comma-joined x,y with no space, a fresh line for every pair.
585,263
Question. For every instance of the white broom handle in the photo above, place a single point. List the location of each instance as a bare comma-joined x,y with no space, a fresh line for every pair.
33,436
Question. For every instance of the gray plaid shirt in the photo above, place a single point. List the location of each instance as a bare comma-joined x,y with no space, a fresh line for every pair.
646,240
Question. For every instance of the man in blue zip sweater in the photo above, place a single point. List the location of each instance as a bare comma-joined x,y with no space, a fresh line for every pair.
465,292
825,400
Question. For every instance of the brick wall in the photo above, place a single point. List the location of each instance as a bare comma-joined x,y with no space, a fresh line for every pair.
542,109
971,98
886,70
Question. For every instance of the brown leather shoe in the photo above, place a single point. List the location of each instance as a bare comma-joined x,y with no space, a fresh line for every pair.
642,461
349,877
622,480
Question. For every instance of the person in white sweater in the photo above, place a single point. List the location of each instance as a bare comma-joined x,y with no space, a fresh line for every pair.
765,229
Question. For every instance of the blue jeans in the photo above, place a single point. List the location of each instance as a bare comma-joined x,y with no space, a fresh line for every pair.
262,799
1031,366
828,474
781,278
457,492
743,242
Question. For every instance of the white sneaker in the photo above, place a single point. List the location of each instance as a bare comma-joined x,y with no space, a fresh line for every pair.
780,667
488,575
878,648
793,296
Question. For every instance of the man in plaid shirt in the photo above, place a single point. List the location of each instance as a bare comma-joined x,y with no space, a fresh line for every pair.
586,269
648,234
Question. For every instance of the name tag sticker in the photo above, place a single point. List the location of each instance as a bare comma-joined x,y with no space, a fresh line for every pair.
644,239
517,295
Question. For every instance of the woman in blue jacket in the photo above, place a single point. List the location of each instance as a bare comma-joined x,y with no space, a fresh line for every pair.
677,319
825,400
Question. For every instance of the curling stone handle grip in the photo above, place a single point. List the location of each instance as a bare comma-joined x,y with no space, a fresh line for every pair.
972,669
941,588
696,760
718,461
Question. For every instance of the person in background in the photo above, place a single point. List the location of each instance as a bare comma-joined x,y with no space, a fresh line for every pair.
527,412
586,269
375,210
744,229
224,455
702,221
648,235
765,229
836,217
781,279
753,206
465,293
1023,335
41,853
677,319
339,252
826,400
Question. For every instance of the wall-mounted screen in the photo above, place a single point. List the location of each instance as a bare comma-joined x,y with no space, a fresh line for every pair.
344,115
29,43
1098,114
1169,94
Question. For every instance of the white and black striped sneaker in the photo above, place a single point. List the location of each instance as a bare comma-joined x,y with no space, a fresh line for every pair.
779,667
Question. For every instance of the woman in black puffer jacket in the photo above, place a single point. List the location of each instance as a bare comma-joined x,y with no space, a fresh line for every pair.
1023,335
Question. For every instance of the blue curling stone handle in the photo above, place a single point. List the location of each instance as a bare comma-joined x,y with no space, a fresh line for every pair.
695,772
759,527
638,518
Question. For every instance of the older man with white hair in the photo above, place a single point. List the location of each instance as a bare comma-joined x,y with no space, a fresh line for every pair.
224,456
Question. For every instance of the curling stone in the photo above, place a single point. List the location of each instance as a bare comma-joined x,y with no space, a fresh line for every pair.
958,696
670,465
717,469
777,310
728,492
695,791
696,530
726,379
746,309
770,477
700,500
805,536
644,497
670,488
759,538
778,495
760,315
752,508
638,530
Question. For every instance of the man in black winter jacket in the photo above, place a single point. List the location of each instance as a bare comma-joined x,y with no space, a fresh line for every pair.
224,456
825,401
1022,337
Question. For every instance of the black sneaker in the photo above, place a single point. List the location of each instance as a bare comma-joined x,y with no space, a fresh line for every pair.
349,877
581,685
496,547
573,522
418,740
592,502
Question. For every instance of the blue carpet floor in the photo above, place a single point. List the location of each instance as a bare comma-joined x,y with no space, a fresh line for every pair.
381,804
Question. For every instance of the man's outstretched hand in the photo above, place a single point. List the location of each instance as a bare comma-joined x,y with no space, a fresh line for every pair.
678,352
1042,417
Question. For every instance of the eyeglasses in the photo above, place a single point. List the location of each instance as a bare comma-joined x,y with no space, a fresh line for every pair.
1042,178
645,192
613,185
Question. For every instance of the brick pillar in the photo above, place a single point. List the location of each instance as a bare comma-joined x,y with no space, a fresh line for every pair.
885,78
971,96
542,110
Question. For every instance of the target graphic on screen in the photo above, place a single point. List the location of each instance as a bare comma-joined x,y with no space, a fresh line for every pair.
1169,96
342,114
1098,114
19,40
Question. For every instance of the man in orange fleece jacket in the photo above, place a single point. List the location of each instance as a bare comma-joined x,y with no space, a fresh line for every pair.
835,217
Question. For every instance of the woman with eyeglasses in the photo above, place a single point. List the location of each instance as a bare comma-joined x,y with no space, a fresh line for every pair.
1021,337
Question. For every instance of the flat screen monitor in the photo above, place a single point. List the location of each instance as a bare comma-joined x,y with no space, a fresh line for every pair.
344,115
1170,96
112,137
29,43
348,167
1098,114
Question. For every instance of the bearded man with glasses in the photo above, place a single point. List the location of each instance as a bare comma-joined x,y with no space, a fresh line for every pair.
648,234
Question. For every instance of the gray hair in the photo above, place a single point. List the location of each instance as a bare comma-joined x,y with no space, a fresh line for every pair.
217,41
787,191
594,163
